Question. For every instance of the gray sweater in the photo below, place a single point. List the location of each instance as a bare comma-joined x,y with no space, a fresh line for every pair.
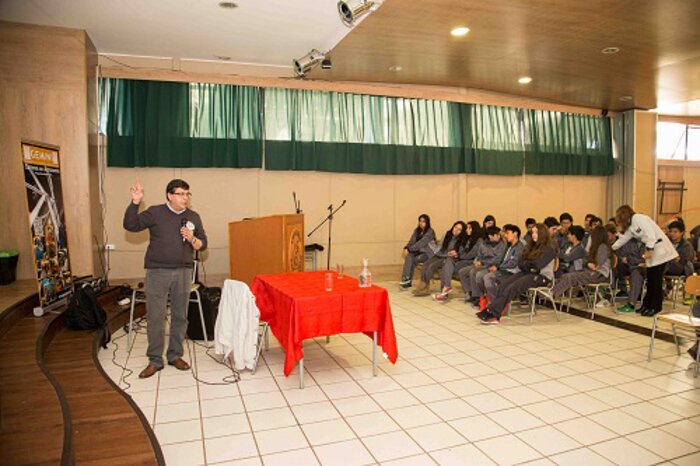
421,245
686,253
510,260
166,249
602,260
632,251
489,253
572,258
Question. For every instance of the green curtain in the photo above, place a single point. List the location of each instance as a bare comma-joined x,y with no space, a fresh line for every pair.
354,133
497,140
560,143
172,124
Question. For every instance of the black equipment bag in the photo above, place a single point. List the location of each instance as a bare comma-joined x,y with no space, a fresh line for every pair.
85,313
210,307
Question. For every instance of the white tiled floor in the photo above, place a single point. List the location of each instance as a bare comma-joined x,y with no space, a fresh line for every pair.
573,392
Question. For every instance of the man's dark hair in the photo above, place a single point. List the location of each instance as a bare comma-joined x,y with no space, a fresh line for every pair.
551,222
611,228
577,231
514,228
589,216
529,222
676,225
490,231
566,216
597,220
174,184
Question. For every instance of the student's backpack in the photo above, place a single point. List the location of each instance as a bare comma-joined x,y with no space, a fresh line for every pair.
85,313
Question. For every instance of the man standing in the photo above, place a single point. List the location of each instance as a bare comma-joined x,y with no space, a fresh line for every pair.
175,232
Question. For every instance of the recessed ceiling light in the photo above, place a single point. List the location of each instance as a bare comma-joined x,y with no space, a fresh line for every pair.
222,57
610,50
460,31
525,80
395,68
626,98
228,5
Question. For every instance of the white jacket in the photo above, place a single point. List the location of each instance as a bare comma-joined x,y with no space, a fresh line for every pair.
236,329
650,235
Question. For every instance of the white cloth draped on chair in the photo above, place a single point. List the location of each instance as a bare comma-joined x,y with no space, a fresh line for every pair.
236,330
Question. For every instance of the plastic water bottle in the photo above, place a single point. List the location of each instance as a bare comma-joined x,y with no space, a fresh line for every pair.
365,278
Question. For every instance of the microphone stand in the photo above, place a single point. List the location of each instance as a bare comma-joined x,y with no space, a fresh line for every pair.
328,219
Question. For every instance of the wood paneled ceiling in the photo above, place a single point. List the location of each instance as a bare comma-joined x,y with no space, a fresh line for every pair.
556,42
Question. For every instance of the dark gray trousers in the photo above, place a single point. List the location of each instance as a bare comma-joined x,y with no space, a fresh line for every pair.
161,283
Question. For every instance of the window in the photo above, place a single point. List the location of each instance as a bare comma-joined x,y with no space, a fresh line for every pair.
677,141
693,149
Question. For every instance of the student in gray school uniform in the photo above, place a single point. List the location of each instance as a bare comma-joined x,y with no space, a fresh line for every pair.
572,258
451,242
529,223
489,252
630,264
683,264
598,268
507,267
464,257
417,250
562,236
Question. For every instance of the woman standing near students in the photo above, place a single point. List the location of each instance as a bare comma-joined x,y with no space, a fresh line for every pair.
537,269
417,250
598,268
449,246
658,252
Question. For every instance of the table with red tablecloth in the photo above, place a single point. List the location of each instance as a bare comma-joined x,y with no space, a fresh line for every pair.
296,306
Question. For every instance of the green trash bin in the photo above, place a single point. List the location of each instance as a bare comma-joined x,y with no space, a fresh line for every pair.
8,266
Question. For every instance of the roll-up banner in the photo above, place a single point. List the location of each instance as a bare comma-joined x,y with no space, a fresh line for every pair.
42,179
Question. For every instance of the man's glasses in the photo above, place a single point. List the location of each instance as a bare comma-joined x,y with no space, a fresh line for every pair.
181,194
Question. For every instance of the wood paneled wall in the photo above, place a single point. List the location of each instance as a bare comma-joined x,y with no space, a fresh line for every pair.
47,76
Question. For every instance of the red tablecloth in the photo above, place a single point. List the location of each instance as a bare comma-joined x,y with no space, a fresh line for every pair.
297,307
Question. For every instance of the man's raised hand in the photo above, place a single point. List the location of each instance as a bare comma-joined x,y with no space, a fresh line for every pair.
137,192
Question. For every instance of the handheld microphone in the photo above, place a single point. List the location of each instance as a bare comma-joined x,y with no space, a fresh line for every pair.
183,222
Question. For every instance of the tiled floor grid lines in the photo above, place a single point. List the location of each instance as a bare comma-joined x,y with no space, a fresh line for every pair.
574,392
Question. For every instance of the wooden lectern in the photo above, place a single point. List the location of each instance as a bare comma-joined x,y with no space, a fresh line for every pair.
272,244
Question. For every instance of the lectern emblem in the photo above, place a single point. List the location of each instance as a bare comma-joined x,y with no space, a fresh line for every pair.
296,251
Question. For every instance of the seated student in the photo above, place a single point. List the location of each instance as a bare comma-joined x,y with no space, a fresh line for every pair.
417,250
552,225
536,269
683,264
489,221
507,267
529,223
630,264
465,256
597,269
488,252
451,242
561,236
573,257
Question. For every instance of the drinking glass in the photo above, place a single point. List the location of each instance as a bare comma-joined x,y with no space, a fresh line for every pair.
339,271
329,281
